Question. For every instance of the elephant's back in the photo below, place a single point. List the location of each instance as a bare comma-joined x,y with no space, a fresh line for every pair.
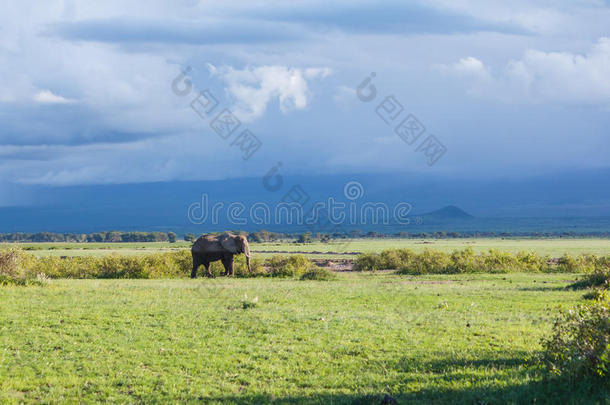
206,243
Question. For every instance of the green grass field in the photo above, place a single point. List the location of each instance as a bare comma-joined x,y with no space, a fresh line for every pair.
428,339
552,247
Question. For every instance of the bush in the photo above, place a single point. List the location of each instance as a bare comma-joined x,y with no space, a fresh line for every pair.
596,294
367,262
318,273
427,262
16,268
396,258
289,266
576,264
597,279
241,268
579,345
466,261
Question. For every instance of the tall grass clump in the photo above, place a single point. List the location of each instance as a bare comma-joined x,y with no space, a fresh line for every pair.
579,346
318,273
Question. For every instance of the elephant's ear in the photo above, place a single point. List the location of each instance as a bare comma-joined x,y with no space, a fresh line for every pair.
228,243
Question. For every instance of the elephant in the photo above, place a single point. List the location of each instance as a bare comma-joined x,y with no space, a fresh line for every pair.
209,248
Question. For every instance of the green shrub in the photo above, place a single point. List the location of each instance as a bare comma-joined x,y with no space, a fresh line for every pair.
367,262
464,261
495,261
289,266
241,268
318,273
578,264
396,258
591,280
427,262
531,262
597,294
579,346
16,267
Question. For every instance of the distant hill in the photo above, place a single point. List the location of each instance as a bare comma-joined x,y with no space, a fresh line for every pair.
448,212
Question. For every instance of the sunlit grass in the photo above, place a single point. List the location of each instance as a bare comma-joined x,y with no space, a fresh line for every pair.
444,339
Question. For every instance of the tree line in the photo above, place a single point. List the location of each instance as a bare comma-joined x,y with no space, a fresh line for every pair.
268,236
111,236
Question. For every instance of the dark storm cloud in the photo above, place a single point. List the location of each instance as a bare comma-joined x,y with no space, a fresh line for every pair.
69,125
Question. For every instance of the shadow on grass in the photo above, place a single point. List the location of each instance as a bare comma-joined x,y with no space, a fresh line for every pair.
480,390
543,288
534,393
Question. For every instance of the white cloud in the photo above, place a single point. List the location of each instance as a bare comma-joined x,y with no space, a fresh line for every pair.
48,97
469,65
556,77
254,87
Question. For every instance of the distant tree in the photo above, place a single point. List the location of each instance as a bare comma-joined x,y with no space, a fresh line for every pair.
189,237
171,236
305,238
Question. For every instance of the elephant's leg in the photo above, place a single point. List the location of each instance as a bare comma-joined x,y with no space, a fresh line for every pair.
208,273
196,264
227,261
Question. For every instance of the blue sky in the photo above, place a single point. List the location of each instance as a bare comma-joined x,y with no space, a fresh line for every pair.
511,89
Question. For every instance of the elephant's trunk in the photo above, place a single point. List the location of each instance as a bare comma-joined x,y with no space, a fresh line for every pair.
247,252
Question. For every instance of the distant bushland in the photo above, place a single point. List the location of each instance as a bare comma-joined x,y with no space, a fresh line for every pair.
406,261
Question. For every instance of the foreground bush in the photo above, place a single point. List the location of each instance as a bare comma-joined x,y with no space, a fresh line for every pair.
16,268
241,268
19,267
289,266
466,261
579,346
318,273
596,279
158,265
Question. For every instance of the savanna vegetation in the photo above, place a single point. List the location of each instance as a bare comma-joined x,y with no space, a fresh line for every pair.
464,326
407,261
465,338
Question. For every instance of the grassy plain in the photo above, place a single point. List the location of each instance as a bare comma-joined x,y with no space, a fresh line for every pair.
426,339
553,247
